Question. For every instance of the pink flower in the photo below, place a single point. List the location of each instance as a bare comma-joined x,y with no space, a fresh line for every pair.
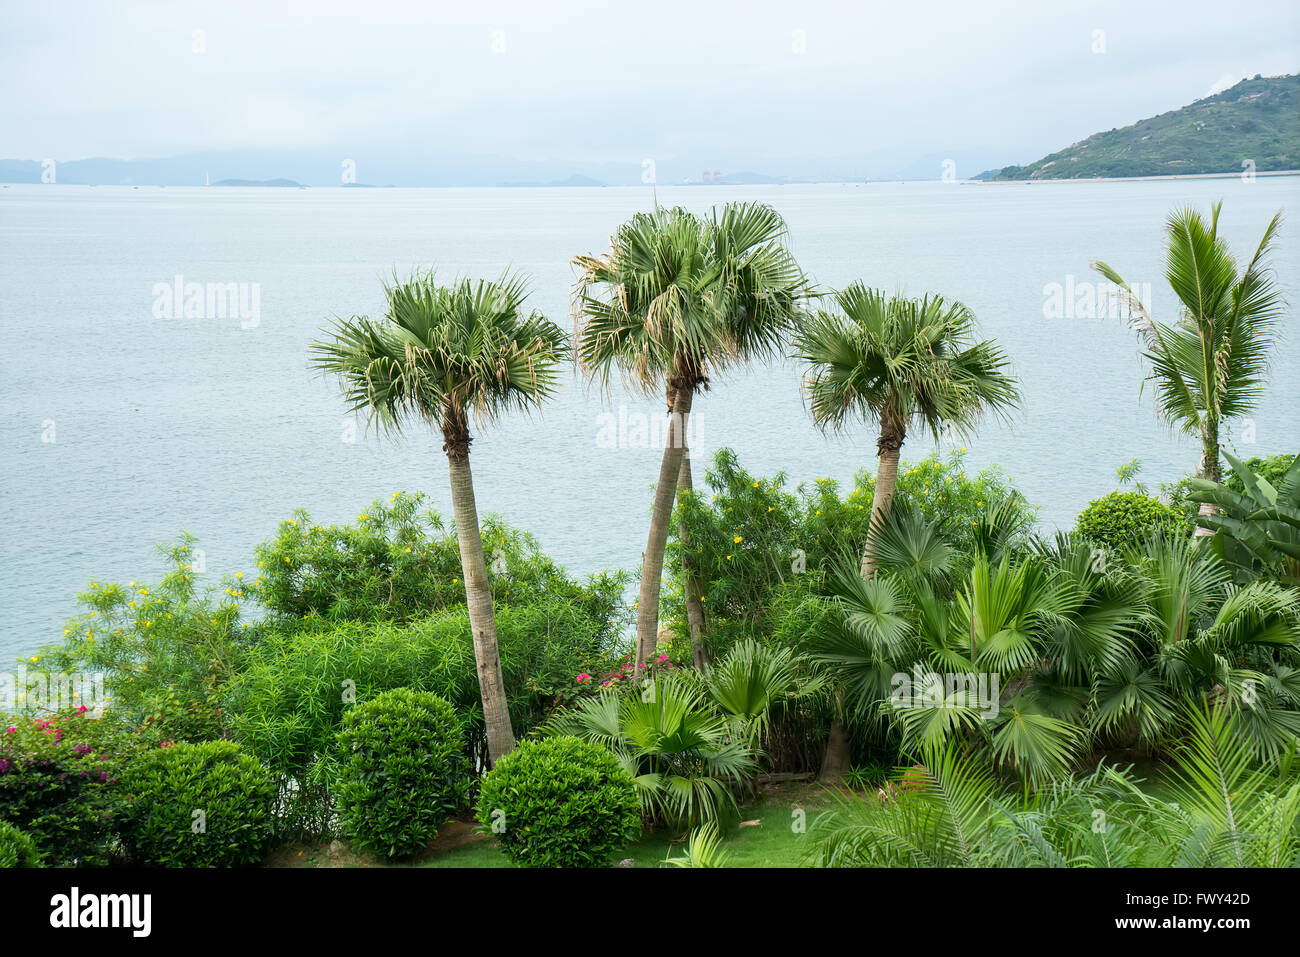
12,731
583,677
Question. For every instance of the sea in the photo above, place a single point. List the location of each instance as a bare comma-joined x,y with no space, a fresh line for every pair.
129,417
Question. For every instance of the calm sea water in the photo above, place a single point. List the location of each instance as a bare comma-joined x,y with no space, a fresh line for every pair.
216,426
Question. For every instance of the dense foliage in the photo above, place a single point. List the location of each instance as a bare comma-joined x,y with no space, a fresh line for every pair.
197,805
16,848
57,778
951,811
164,649
560,802
401,770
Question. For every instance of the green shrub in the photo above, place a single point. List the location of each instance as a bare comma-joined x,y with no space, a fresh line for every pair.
16,848
560,802
1272,469
750,536
57,778
401,770
165,649
1120,519
398,562
286,706
197,805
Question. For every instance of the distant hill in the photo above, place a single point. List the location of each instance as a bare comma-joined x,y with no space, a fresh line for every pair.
1256,120
257,182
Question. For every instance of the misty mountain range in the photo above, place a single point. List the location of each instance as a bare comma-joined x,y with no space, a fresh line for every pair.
313,169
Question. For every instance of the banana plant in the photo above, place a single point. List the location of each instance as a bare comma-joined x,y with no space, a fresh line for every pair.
1259,528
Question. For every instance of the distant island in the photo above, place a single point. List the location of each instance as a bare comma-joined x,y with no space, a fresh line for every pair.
259,182
1257,121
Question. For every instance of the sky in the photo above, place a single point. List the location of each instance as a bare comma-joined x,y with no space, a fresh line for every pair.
596,82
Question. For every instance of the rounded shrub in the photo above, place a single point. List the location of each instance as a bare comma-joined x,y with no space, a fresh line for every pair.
1119,519
560,802
16,848
401,770
197,805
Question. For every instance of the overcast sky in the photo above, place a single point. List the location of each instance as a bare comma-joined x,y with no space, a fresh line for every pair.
560,79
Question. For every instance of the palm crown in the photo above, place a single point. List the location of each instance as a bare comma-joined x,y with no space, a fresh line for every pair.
678,294
897,360
443,353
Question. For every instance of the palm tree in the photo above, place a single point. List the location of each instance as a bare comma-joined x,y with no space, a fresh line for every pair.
1209,365
896,361
899,362
679,297
440,355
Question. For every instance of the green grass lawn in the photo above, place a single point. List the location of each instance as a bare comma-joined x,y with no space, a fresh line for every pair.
775,840
780,838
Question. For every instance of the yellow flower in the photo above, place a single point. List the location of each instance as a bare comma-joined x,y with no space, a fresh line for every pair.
769,508
755,485
286,559
239,574
408,551
979,504
728,558
738,539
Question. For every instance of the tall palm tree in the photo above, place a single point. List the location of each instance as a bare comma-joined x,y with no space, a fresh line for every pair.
679,297
896,361
440,355
899,362
1208,366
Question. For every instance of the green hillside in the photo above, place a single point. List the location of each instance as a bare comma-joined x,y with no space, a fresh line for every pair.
1258,119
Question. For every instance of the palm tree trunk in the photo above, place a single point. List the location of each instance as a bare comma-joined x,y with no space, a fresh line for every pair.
836,760
838,756
482,614
1211,470
690,576
652,561
882,497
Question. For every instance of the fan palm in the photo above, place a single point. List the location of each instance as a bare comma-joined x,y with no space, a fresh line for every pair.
677,298
1209,366
896,361
899,363
678,748
440,355
950,811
